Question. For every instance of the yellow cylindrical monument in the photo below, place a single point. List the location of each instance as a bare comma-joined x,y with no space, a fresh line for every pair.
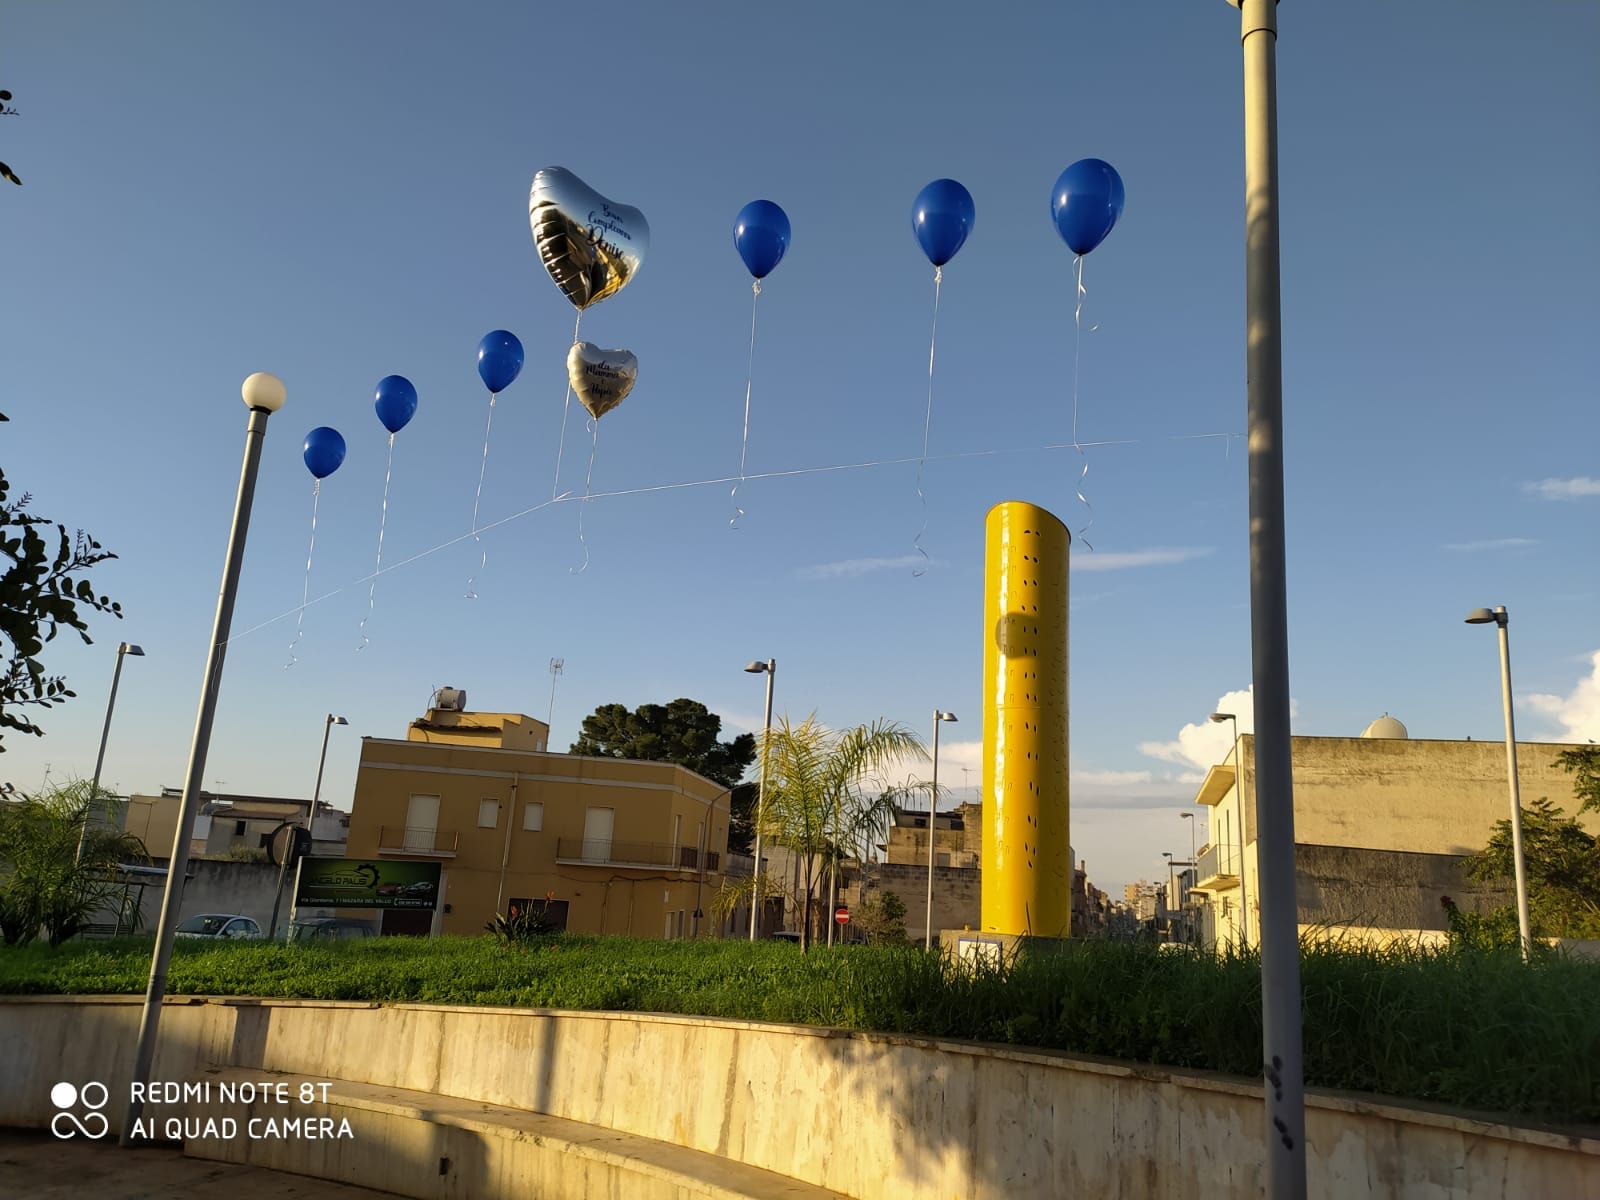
1027,862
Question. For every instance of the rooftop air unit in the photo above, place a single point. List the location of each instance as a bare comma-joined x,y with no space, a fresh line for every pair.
451,698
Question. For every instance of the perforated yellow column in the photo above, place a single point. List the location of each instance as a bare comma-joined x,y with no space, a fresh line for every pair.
1027,862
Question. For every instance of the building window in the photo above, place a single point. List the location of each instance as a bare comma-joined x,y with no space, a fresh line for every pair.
488,813
533,817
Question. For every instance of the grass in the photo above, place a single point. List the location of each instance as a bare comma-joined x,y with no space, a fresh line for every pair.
1475,1030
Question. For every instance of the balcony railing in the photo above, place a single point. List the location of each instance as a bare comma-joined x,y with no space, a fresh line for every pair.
1217,864
427,842
660,855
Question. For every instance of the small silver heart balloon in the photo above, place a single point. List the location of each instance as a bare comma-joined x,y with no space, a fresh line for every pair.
590,245
602,378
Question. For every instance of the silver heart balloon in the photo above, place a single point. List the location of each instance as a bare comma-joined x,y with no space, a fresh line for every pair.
590,245
602,378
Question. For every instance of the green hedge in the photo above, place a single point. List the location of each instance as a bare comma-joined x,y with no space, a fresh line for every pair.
1476,1030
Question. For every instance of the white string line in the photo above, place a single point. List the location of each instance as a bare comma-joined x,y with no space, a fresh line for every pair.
300,622
482,467
1077,355
566,405
750,374
383,519
927,424
568,497
594,444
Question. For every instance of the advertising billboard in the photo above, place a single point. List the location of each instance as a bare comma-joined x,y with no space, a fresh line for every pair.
367,883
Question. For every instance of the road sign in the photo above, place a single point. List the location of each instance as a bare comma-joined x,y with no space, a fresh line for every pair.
842,915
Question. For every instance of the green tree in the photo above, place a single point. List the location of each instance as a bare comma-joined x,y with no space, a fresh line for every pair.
1584,766
882,918
742,818
45,885
684,732
41,590
1563,867
824,800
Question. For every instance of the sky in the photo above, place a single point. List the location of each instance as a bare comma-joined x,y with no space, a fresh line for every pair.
336,193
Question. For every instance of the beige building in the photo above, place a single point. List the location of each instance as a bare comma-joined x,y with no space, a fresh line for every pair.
1382,824
228,824
618,846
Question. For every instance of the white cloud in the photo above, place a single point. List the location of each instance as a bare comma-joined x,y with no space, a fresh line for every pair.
1510,543
849,568
1207,743
1578,713
1111,778
1098,560
1563,489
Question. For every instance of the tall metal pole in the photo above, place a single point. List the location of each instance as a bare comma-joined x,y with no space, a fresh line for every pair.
105,733
1238,803
761,805
933,822
264,394
316,795
1282,1049
1524,929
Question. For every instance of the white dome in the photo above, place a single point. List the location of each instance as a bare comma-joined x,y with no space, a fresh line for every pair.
1385,727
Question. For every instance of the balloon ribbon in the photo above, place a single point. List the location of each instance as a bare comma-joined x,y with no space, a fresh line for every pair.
927,424
566,405
383,518
482,467
1077,353
594,444
755,295
305,593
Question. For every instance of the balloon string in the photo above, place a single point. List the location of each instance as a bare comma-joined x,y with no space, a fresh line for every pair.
722,481
476,500
566,405
305,593
594,444
927,424
383,519
744,443
1077,354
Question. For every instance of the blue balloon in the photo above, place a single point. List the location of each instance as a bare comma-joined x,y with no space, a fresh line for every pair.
941,218
499,360
324,451
761,235
1085,203
396,402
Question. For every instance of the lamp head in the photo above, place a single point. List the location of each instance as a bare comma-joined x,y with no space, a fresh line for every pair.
1187,816
129,648
333,720
263,391
1485,616
944,716
759,668
1219,718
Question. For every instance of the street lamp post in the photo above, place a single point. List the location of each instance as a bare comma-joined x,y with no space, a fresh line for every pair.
933,813
1282,1037
1194,861
770,670
1238,797
123,649
1167,854
263,395
316,795
1483,616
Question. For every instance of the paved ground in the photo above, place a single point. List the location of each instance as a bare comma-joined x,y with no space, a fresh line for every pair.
38,1166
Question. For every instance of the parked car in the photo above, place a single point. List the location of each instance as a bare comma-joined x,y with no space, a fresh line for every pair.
792,936
317,929
219,925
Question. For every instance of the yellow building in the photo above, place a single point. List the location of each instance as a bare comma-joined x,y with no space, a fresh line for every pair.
1382,824
618,846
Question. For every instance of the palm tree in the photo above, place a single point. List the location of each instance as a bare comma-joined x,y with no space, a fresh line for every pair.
44,882
824,800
